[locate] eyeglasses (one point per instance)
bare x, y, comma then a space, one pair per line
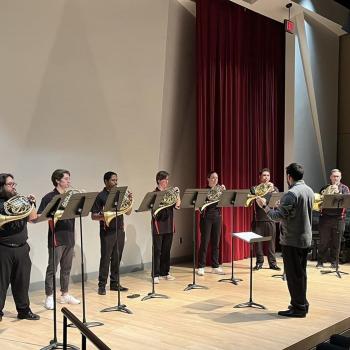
11, 184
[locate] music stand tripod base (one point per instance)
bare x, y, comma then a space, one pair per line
231, 280
154, 295
282, 276
250, 304
57, 345
337, 272
195, 286
87, 324
121, 308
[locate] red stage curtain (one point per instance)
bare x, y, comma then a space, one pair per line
240, 104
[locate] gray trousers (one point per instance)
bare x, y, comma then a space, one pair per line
265, 228
63, 257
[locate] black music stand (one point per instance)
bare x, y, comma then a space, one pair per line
194, 199
79, 205
113, 203
228, 199
272, 203
151, 202
336, 201
48, 214
251, 238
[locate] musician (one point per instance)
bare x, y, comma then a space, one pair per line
210, 227
295, 215
110, 237
264, 226
163, 229
64, 242
332, 224
15, 263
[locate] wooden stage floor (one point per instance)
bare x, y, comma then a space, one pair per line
196, 319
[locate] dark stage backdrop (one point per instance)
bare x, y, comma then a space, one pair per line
240, 104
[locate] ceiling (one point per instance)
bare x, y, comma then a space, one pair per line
329, 13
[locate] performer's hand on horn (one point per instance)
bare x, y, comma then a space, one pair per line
261, 202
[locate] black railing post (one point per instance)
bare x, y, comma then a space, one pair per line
64, 332
84, 331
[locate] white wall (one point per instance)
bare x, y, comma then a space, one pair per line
344, 109
93, 86
317, 54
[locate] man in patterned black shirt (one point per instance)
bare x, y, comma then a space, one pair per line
331, 225
15, 263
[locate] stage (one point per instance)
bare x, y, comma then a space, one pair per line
196, 319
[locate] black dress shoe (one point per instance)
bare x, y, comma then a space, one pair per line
115, 287
292, 313
333, 265
275, 267
101, 291
28, 316
290, 307
258, 266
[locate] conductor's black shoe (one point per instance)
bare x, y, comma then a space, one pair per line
319, 265
292, 313
101, 291
28, 316
333, 265
115, 287
290, 307
275, 267
258, 266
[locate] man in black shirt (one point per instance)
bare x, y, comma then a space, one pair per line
64, 241
15, 263
111, 237
210, 227
332, 224
264, 226
163, 229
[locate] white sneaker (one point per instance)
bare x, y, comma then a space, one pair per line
218, 270
69, 299
49, 302
156, 280
168, 277
200, 271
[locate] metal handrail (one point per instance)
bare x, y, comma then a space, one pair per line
84, 331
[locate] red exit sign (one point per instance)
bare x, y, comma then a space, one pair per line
289, 26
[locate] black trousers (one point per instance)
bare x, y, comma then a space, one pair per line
15, 266
265, 228
331, 231
162, 246
109, 256
210, 231
294, 260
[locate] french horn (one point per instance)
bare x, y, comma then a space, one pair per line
170, 198
260, 191
319, 197
16, 208
69, 193
213, 196
126, 205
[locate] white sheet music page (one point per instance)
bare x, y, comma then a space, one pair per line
247, 236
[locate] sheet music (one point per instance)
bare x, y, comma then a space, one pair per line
250, 237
